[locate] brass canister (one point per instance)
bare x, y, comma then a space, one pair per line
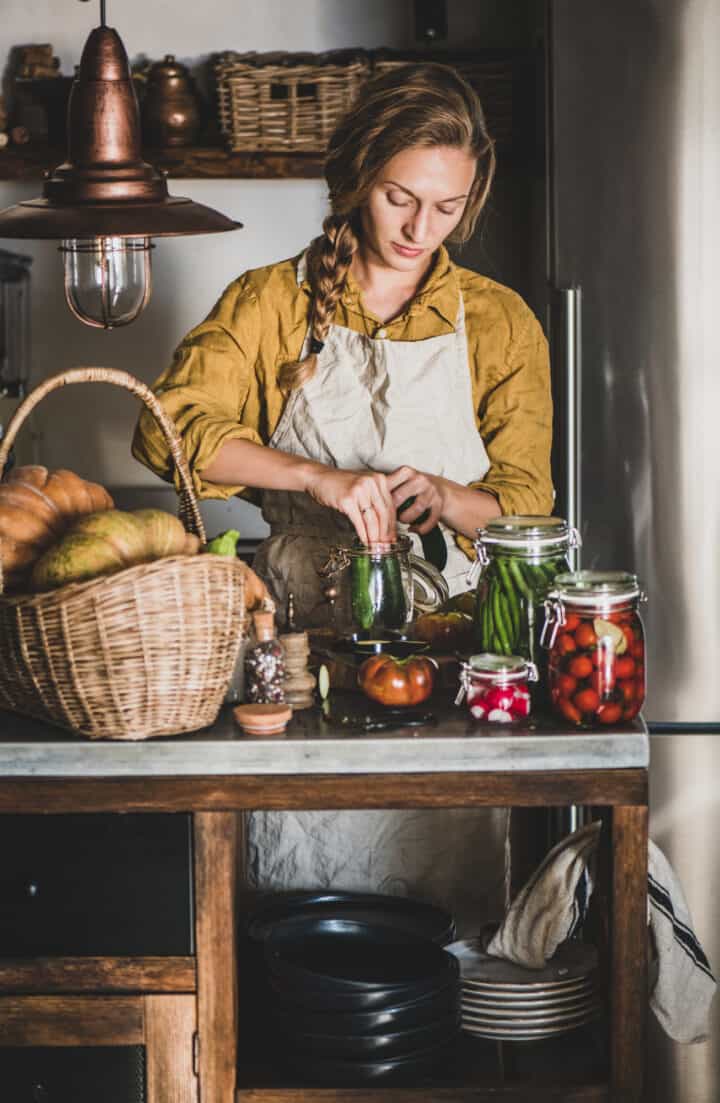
172, 109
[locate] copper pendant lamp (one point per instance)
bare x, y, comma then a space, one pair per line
104, 202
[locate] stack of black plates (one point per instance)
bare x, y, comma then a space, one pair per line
413, 916
351, 1001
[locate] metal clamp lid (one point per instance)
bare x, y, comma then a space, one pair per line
589, 588
528, 533
506, 668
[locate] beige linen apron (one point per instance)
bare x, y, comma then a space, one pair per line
376, 404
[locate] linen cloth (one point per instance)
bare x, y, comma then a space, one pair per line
552, 906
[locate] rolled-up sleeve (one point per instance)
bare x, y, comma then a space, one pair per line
204, 391
515, 423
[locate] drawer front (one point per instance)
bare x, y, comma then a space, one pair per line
96, 885
83, 1074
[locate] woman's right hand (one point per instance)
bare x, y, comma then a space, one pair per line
363, 496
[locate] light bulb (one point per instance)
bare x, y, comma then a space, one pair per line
108, 280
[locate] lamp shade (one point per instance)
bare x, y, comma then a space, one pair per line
105, 189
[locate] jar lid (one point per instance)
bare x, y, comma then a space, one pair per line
530, 532
509, 666
591, 587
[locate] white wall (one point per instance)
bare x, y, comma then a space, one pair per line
89, 429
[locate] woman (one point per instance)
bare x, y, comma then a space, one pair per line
369, 371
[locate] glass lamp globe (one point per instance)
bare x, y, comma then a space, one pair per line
104, 203
108, 280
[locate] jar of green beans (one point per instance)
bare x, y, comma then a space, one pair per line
517, 561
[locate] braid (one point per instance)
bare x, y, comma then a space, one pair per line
329, 260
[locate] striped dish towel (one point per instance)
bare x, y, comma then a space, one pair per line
553, 904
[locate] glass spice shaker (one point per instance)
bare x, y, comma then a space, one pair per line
264, 663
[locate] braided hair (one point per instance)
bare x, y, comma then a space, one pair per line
410, 106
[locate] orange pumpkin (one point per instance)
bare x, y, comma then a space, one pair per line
36, 507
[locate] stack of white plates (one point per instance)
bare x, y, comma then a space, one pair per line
511, 1003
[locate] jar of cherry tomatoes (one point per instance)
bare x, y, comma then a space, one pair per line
596, 643
497, 687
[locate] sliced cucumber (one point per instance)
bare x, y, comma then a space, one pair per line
323, 682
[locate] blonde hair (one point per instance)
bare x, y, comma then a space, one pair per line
411, 105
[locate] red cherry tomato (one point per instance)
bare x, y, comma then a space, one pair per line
586, 700
566, 644
624, 667
637, 649
632, 710
571, 622
627, 689
629, 636
609, 713
567, 708
580, 667
585, 636
566, 685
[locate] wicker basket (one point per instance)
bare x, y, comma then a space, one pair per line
145, 652
292, 106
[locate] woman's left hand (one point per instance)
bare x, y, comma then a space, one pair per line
428, 492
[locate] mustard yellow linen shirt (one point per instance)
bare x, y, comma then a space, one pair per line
222, 383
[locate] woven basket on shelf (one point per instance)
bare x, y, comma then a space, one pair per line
268, 106
145, 652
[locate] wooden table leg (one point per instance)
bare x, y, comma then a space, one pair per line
216, 837
169, 1028
628, 953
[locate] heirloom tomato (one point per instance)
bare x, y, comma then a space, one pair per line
398, 683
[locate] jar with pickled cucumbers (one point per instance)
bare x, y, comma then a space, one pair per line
518, 559
369, 588
596, 644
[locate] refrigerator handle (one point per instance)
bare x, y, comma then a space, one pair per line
572, 334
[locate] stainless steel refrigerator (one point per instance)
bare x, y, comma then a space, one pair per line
634, 252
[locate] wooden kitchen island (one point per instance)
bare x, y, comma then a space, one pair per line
184, 1010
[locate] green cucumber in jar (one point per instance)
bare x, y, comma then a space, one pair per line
363, 609
393, 609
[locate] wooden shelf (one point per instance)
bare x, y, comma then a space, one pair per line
30, 162
569, 1068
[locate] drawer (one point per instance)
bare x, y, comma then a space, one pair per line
96, 885
83, 1074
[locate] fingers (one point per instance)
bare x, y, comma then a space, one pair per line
385, 508
397, 478
425, 524
351, 510
369, 505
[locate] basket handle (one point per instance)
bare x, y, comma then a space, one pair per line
188, 509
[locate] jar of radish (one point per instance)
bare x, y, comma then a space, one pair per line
496, 688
